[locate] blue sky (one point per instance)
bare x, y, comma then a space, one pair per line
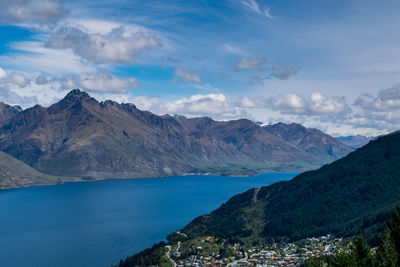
332, 65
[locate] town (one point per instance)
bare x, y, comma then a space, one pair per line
217, 253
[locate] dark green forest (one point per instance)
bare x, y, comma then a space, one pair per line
386, 254
355, 193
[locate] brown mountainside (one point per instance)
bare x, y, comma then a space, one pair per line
80, 136
323, 147
7, 111
16, 174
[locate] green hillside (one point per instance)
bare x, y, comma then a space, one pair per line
355, 193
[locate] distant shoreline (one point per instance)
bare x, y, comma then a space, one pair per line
79, 179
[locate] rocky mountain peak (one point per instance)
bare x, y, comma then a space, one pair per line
77, 95
8, 111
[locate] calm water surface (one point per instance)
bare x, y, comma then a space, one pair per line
98, 223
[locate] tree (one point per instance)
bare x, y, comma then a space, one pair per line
386, 255
394, 228
342, 259
360, 252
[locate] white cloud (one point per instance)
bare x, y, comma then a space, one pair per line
36, 11
185, 75
41, 80
216, 106
283, 71
250, 63
316, 104
99, 82
19, 79
122, 44
295, 104
3, 73
13, 78
253, 5
33, 57
386, 100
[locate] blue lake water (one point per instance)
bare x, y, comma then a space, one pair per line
98, 223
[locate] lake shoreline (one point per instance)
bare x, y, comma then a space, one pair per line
97, 224
80, 179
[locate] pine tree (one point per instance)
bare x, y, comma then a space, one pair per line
394, 228
342, 259
385, 254
360, 253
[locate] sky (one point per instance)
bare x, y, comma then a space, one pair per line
332, 65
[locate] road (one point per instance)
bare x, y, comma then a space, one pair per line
168, 254
234, 263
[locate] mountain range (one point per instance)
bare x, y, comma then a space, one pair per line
355, 141
8, 111
82, 137
353, 194
321, 146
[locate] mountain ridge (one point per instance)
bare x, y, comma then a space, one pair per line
16, 174
313, 141
79, 136
357, 192
355, 141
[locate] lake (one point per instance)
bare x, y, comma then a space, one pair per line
98, 223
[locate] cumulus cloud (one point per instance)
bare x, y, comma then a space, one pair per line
13, 98
185, 75
9, 81
13, 78
380, 111
216, 106
283, 71
295, 104
41, 80
3, 73
253, 5
19, 79
250, 63
386, 100
36, 11
99, 82
122, 44
316, 104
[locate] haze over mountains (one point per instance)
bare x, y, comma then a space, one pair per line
81, 137
355, 141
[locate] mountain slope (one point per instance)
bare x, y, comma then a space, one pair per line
323, 147
355, 193
7, 111
355, 141
15, 174
80, 136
